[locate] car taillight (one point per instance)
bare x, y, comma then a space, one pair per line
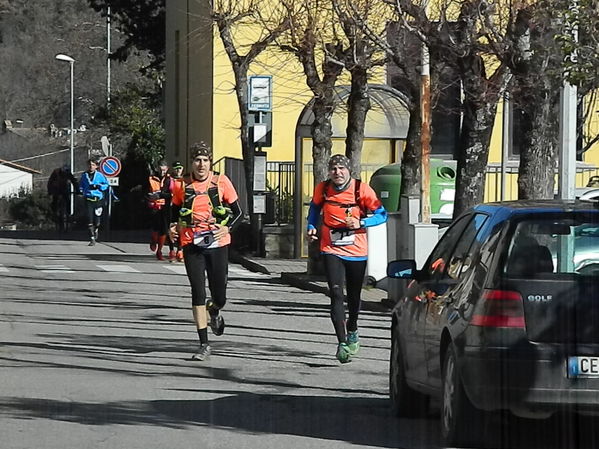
499, 308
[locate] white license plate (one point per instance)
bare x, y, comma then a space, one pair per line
583, 366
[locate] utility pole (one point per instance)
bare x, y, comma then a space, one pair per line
567, 157
567, 138
505, 142
425, 137
108, 53
567, 128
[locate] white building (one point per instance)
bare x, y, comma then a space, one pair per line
15, 178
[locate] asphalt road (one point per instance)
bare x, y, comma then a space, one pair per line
95, 353
95, 346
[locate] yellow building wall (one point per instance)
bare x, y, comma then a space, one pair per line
592, 129
215, 110
290, 96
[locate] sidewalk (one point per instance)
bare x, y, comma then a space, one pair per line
294, 273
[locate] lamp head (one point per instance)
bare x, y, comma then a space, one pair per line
62, 57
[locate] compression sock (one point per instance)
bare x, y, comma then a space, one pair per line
203, 334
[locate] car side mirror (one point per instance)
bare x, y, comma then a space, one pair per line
402, 269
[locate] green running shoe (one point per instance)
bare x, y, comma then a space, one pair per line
353, 342
343, 353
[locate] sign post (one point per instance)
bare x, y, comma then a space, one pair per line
111, 167
260, 135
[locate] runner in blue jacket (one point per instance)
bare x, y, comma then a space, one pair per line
93, 186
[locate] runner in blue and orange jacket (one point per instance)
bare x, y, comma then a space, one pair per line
348, 206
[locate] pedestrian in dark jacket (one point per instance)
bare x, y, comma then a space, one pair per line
59, 186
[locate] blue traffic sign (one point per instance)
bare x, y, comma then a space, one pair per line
110, 166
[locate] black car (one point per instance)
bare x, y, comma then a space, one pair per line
504, 315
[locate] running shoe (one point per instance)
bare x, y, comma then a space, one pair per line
171, 255
92, 242
203, 353
159, 255
353, 342
179, 256
217, 324
343, 353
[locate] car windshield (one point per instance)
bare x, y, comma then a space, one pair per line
563, 245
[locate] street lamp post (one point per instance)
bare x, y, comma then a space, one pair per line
71, 62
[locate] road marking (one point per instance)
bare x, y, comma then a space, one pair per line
118, 268
179, 269
3, 269
54, 269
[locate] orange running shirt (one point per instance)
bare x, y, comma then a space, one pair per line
201, 207
334, 236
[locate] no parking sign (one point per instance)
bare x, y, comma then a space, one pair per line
110, 166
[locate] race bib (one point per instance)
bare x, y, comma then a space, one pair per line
342, 237
204, 239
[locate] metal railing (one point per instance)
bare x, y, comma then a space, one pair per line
281, 176
493, 182
279, 183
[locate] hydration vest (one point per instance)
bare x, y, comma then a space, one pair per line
357, 184
219, 212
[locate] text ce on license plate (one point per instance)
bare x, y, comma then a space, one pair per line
583, 366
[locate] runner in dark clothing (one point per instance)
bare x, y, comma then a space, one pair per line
59, 188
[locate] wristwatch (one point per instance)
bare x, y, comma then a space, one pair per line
362, 224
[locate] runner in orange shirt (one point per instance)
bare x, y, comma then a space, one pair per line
177, 176
344, 204
209, 208
159, 196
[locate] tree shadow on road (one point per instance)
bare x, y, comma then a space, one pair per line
361, 421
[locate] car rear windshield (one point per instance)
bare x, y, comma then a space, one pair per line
568, 244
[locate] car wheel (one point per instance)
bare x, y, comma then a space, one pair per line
405, 401
461, 422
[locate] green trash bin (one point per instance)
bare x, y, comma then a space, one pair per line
386, 182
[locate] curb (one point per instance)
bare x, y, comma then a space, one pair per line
301, 281
297, 281
235, 257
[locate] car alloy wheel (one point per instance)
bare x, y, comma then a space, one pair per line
448, 394
461, 422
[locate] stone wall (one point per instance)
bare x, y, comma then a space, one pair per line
278, 241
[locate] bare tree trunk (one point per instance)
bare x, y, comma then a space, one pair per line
358, 105
322, 132
537, 90
473, 155
536, 175
225, 17
410, 162
481, 95
247, 150
323, 107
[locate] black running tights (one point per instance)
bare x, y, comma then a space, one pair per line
337, 271
214, 263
